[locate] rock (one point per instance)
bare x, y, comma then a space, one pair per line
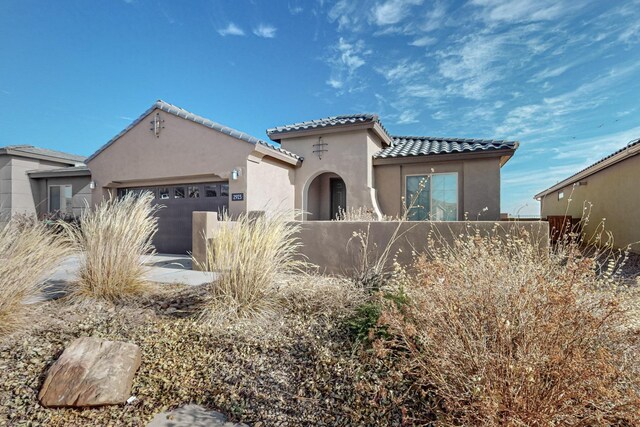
91, 372
170, 310
192, 415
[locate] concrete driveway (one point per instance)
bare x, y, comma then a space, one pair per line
162, 268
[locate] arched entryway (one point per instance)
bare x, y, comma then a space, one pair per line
325, 197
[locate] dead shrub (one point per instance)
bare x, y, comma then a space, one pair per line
29, 250
112, 241
496, 331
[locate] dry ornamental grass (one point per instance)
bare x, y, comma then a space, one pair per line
29, 250
112, 239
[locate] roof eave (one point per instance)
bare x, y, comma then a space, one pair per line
20, 153
632, 151
444, 157
272, 152
57, 174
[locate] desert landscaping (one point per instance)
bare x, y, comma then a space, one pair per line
517, 334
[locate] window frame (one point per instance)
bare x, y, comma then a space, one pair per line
69, 210
430, 177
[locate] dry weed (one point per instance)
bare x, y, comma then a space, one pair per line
500, 332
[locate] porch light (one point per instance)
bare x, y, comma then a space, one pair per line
235, 174
92, 185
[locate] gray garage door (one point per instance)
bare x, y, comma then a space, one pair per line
178, 202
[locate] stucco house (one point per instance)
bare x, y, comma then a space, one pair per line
320, 167
607, 190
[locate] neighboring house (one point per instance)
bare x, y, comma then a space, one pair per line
191, 163
37, 181
608, 191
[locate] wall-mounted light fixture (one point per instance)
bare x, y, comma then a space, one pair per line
235, 173
92, 185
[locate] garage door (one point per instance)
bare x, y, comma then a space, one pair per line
178, 202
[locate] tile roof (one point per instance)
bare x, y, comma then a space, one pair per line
326, 122
407, 146
30, 149
180, 112
589, 170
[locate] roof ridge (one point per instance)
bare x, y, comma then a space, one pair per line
446, 138
188, 115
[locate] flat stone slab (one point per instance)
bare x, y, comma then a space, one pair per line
91, 372
192, 415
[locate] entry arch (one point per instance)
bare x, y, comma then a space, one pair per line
325, 195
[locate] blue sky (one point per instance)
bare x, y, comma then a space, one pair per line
561, 77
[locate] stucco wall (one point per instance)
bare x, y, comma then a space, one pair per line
184, 152
478, 185
613, 193
331, 245
349, 154
270, 184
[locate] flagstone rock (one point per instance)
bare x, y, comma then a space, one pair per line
91, 372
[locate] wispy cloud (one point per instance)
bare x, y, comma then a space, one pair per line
393, 11
514, 11
295, 9
231, 30
424, 41
345, 59
266, 31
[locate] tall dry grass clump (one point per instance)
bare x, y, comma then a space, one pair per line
247, 255
502, 333
112, 240
29, 250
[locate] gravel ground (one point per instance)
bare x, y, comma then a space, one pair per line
300, 369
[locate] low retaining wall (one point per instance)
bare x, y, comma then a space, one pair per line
334, 246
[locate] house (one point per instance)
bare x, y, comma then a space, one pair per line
320, 167
37, 180
607, 190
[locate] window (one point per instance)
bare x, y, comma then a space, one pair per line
178, 193
61, 199
193, 191
210, 191
224, 190
561, 195
432, 197
163, 193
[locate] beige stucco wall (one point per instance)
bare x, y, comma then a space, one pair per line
184, 152
330, 245
478, 185
271, 185
613, 194
349, 154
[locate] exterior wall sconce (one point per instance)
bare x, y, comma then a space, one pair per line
92, 185
236, 173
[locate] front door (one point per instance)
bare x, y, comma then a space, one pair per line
338, 197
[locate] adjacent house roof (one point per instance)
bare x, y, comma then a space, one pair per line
631, 149
180, 112
277, 132
59, 172
408, 146
37, 152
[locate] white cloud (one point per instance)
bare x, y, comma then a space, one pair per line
295, 9
407, 117
231, 30
551, 72
423, 41
525, 10
393, 11
265, 31
347, 57
405, 70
